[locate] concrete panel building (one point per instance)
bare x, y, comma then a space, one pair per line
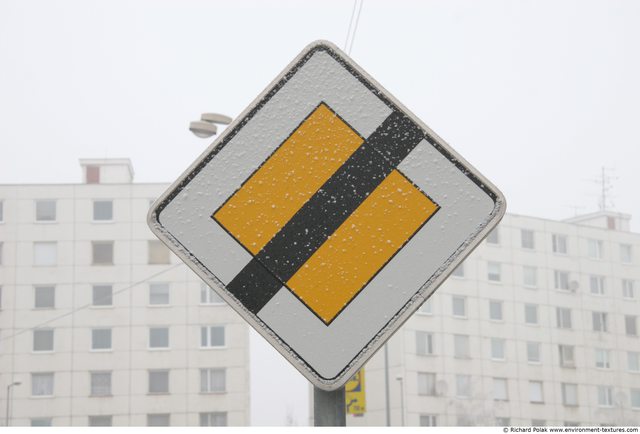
102, 325
539, 326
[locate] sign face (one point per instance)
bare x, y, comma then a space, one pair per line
326, 214
355, 400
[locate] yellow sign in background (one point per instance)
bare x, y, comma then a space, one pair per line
355, 395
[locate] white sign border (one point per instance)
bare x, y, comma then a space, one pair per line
421, 295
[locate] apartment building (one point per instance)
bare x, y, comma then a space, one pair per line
99, 323
539, 326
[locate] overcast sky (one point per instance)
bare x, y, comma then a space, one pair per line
538, 95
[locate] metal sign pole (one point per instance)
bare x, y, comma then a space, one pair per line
329, 407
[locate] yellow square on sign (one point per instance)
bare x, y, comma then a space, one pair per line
352, 255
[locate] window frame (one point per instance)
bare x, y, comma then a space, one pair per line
164, 391
38, 218
94, 388
158, 328
94, 336
95, 253
50, 332
51, 387
93, 211
206, 336
527, 239
53, 245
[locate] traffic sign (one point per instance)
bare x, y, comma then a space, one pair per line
355, 397
326, 214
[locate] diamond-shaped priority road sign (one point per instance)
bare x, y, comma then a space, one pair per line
326, 214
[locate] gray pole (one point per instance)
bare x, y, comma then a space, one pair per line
329, 408
386, 384
8, 403
400, 379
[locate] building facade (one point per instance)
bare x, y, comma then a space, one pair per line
102, 325
538, 326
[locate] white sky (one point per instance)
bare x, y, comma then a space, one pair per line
538, 95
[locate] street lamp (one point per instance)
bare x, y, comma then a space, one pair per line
9, 387
400, 381
206, 126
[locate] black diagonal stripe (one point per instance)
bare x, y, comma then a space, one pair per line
325, 211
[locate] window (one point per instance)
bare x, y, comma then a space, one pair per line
595, 249
533, 352
461, 346
635, 398
45, 210
100, 383
158, 337
41, 421
631, 325
567, 356
212, 336
626, 253
495, 310
426, 384
563, 317
633, 361
158, 253
213, 418
493, 237
45, 253
428, 420
458, 271
535, 392
628, 288
602, 358
102, 295
561, 280
159, 381
424, 343
159, 293
596, 283
497, 349
93, 174
559, 244
102, 252
459, 306
102, 210
101, 339
569, 394
531, 314
426, 308
530, 276
463, 386
493, 272
605, 396
209, 296
528, 239
600, 322
43, 340
213, 380
42, 384
44, 297
158, 419
500, 391
100, 420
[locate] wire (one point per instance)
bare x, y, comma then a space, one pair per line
71, 312
353, 25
